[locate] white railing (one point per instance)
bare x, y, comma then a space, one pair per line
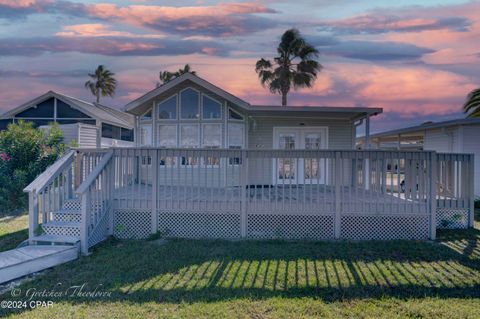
47, 193
95, 194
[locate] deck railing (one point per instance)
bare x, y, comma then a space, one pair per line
133, 192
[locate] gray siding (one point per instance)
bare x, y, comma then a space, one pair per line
88, 136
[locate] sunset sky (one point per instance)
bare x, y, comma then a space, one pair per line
417, 62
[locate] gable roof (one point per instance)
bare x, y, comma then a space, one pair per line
94, 110
348, 112
428, 126
182, 78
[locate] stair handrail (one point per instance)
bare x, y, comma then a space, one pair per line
44, 179
93, 175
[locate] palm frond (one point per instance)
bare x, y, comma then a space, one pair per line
472, 102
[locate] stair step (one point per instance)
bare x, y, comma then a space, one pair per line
62, 228
67, 215
72, 204
60, 239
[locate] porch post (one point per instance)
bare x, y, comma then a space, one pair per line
32, 214
243, 193
85, 221
366, 169
154, 155
471, 189
433, 195
337, 218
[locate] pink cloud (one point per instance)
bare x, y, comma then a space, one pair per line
19, 3
99, 30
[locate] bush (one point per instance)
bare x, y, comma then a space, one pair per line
25, 152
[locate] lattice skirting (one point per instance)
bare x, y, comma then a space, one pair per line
452, 218
291, 226
383, 227
100, 232
199, 225
132, 224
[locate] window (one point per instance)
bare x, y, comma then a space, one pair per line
66, 111
126, 134
146, 134
189, 102
234, 115
147, 116
167, 136
189, 138
168, 108
212, 138
111, 131
236, 136
43, 110
211, 108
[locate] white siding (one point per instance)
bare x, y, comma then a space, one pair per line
441, 140
108, 142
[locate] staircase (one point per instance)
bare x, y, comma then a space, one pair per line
63, 228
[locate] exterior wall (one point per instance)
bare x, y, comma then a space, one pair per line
260, 136
109, 142
471, 145
88, 136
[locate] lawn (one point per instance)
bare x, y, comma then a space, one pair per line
274, 279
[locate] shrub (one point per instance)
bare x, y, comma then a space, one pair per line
25, 152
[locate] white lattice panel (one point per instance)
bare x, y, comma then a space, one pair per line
292, 226
452, 218
72, 204
62, 230
100, 232
67, 216
383, 227
132, 224
199, 225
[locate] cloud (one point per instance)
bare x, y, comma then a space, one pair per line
99, 30
15, 9
110, 46
41, 74
218, 20
378, 23
368, 50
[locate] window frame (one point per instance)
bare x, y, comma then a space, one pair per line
215, 100
177, 111
180, 106
235, 111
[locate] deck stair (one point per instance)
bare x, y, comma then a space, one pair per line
64, 224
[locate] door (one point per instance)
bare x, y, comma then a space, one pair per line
300, 171
286, 168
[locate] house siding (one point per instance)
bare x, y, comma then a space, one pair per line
472, 146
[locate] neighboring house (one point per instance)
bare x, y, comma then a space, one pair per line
454, 136
87, 124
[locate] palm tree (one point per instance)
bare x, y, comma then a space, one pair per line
472, 105
295, 65
102, 83
166, 76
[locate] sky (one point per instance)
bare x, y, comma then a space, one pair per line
416, 59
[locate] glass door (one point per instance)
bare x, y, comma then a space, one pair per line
286, 167
313, 169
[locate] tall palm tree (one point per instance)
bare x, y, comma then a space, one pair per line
472, 105
166, 76
102, 83
295, 65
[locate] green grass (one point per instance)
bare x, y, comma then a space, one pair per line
13, 230
271, 279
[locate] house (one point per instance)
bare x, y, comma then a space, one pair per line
84, 124
453, 136
207, 164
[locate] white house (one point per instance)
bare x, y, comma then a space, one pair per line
453, 136
88, 125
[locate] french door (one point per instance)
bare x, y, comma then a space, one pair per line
300, 171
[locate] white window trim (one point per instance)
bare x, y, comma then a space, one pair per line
213, 99
235, 111
157, 113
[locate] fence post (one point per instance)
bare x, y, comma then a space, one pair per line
78, 169
471, 190
337, 218
32, 214
85, 221
243, 193
154, 190
433, 195
111, 187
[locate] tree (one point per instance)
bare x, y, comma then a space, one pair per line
167, 76
102, 83
25, 152
472, 105
295, 65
